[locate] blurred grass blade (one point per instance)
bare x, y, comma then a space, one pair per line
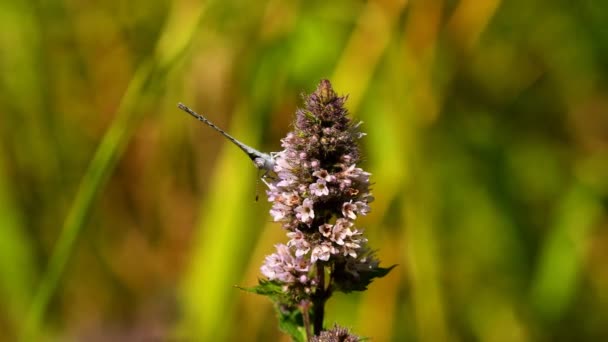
424, 261
562, 258
376, 21
105, 159
93, 182
19, 87
16, 264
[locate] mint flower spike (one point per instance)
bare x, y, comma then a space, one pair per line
317, 194
336, 334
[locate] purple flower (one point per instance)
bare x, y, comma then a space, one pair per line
278, 265
319, 188
348, 210
323, 174
279, 211
298, 240
291, 198
284, 267
302, 265
350, 248
281, 163
340, 231
325, 229
322, 252
305, 212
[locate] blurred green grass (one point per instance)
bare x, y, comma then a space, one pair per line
123, 218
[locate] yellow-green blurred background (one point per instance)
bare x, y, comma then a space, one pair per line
124, 219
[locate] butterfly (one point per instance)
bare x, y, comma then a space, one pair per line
262, 161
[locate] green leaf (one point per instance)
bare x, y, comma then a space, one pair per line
347, 281
291, 322
271, 289
288, 312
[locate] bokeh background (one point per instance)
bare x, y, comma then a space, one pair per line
124, 219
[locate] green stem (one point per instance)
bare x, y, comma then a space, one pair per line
319, 299
305, 307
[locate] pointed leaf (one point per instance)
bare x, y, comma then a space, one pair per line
348, 281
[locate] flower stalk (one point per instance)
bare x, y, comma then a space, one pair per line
317, 193
319, 299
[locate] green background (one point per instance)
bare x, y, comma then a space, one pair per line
122, 218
